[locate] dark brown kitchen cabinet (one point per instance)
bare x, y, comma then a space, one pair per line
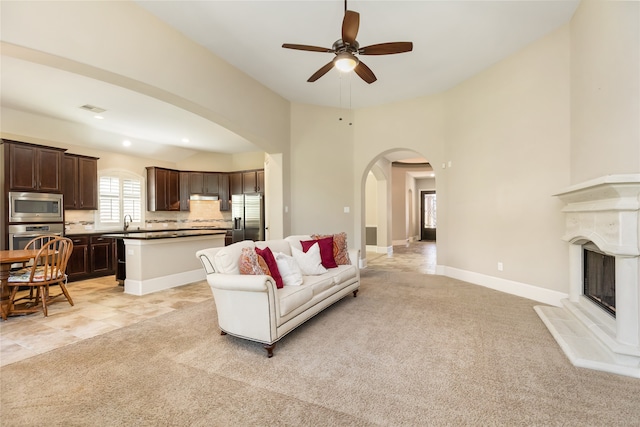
225, 204
92, 256
235, 183
184, 191
80, 182
78, 266
260, 181
163, 189
253, 181
33, 167
102, 255
205, 183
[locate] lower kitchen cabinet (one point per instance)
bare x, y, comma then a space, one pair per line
78, 266
92, 256
102, 256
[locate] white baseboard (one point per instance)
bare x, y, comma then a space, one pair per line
524, 290
143, 287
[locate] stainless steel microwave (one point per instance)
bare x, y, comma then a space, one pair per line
35, 207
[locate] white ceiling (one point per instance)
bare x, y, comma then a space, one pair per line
453, 40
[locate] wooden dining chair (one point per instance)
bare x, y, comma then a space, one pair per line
48, 268
33, 244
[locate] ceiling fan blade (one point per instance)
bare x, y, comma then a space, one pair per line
386, 48
321, 72
350, 25
306, 47
365, 73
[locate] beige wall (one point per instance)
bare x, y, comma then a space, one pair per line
321, 171
507, 136
371, 209
605, 89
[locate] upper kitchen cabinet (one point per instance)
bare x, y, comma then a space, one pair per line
235, 183
253, 181
80, 182
163, 189
33, 167
184, 191
205, 183
225, 202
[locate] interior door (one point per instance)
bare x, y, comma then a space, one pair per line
428, 215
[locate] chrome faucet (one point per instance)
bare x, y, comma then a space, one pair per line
127, 223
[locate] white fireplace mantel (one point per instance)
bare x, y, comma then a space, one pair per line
605, 211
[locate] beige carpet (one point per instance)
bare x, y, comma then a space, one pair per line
410, 350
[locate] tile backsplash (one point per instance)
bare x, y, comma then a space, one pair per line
203, 213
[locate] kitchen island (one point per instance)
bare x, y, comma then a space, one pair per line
158, 260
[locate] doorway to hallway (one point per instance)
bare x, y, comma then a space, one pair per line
428, 216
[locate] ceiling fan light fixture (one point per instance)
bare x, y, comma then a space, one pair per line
345, 62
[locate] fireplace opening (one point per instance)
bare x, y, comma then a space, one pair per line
600, 278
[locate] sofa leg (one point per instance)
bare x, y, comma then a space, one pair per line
355, 293
269, 348
223, 333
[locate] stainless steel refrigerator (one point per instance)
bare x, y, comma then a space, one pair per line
247, 211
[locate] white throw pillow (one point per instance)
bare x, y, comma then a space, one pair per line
310, 262
289, 270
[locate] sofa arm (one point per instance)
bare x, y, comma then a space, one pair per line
244, 282
354, 257
206, 257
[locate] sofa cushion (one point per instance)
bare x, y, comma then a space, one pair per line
310, 262
227, 258
252, 263
343, 273
326, 250
340, 248
272, 264
289, 270
319, 284
292, 297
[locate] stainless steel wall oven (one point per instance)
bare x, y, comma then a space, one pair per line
20, 234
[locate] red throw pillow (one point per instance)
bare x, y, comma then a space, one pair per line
273, 266
326, 250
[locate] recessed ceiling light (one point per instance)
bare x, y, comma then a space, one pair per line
126, 143
185, 140
98, 117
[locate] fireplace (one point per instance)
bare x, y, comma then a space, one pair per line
599, 278
598, 324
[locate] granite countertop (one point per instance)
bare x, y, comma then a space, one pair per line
165, 234
119, 233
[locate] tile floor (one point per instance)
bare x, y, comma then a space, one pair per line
101, 306
417, 257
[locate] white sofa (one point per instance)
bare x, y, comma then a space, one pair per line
253, 308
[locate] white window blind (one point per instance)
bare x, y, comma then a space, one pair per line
120, 194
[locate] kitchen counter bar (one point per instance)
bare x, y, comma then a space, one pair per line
158, 260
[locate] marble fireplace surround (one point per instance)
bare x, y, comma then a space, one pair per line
604, 211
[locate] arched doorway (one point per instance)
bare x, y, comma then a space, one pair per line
392, 187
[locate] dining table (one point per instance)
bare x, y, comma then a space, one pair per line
8, 258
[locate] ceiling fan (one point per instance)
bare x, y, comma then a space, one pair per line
346, 49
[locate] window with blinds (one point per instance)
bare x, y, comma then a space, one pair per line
119, 194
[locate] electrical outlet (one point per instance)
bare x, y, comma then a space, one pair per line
500, 266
